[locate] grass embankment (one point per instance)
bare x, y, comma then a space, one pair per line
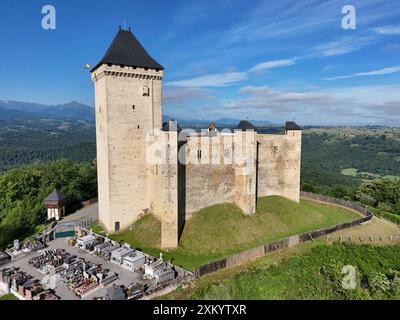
223, 229
314, 275
8, 296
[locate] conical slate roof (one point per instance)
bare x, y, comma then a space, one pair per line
171, 125
126, 50
56, 195
245, 125
291, 125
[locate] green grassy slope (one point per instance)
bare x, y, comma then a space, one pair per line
315, 275
223, 229
8, 296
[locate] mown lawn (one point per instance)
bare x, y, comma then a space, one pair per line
314, 275
223, 229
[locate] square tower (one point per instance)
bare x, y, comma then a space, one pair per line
128, 91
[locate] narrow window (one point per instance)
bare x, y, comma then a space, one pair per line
138, 127
117, 227
199, 154
133, 107
146, 91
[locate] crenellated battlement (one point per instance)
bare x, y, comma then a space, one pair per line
127, 72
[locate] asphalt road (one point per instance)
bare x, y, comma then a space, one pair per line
89, 213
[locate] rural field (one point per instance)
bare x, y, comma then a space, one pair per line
221, 230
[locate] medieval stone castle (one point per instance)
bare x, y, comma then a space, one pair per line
128, 94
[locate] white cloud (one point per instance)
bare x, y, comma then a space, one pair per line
213, 80
391, 108
383, 71
181, 95
273, 64
368, 94
267, 98
391, 30
229, 78
363, 103
341, 46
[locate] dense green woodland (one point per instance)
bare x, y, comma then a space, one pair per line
22, 191
325, 155
25, 141
382, 196
375, 153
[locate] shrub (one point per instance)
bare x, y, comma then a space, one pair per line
395, 286
379, 283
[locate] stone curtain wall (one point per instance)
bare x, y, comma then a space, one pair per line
279, 158
261, 250
209, 180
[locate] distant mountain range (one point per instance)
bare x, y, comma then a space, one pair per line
17, 109
74, 110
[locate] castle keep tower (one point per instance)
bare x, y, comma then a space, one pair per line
128, 108
227, 167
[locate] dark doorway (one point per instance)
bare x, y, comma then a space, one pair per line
117, 227
257, 155
181, 189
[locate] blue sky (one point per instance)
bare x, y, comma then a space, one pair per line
270, 60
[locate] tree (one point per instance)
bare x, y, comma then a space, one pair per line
22, 191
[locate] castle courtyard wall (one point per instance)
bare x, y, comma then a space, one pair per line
279, 159
208, 180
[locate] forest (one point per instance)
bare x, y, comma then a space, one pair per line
34, 139
327, 153
23, 189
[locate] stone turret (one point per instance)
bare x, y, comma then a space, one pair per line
55, 205
245, 145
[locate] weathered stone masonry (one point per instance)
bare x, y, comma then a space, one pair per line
128, 99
